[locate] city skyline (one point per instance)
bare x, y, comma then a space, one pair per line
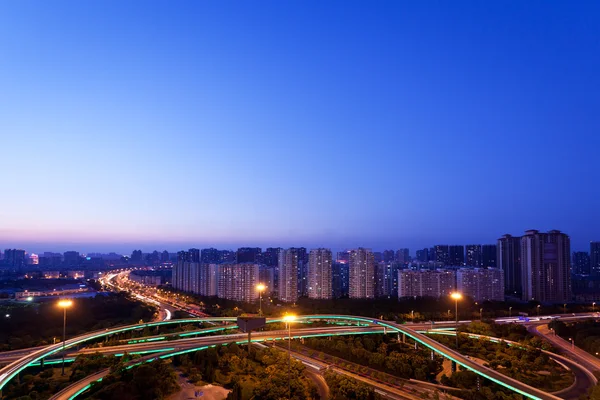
127, 249
338, 124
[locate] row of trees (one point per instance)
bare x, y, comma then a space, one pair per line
526, 363
155, 380
382, 353
262, 374
342, 387
585, 333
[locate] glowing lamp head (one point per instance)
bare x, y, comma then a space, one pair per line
65, 303
456, 296
289, 318
260, 287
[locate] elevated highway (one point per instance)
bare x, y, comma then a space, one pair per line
14, 368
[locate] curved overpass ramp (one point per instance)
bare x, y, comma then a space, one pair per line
11, 370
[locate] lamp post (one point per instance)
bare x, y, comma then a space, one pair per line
412, 316
456, 296
594, 307
289, 319
538, 310
572, 343
260, 287
481, 314
509, 312
64, 304
565, 308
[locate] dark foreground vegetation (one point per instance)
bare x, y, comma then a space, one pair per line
262, 374
35, 324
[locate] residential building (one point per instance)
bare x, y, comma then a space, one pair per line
423, 255
488, 256
386, 278
362, 274
442, 255
271, 256
509, 261
288, 275
210, 256
481, 284
425, 283
388, 255
208, 277
581, 263
402, 256
340, 279
249, 254
71, 258
595, 258
456, 255
319, 274
237, 281
14, 259
185, 276
474, 255
546, 266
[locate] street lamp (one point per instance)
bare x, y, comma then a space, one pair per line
288, 319
456, 296
64, 304
509, 312
565, 308
412, 316
260, 287
593, 306
481, 314
538, 309
572, 344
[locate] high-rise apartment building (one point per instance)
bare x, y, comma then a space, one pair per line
71, 258
402, 256
319, 274
343, 256
488, 256
164, 256
194, 255
136, 256
302, 272
362, 274
423, 255
340, 280
14, 259
581, 263
474, 255
238, 281
208, 279
271, 256
249, 255
509, 261
288, 275
386, 279
456, 255
441, 253
267, 278
425, 283
185, 276
227, 256
210, 256
482, 284
546, 266
595, 258
388, 255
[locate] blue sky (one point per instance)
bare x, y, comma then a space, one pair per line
341, 123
